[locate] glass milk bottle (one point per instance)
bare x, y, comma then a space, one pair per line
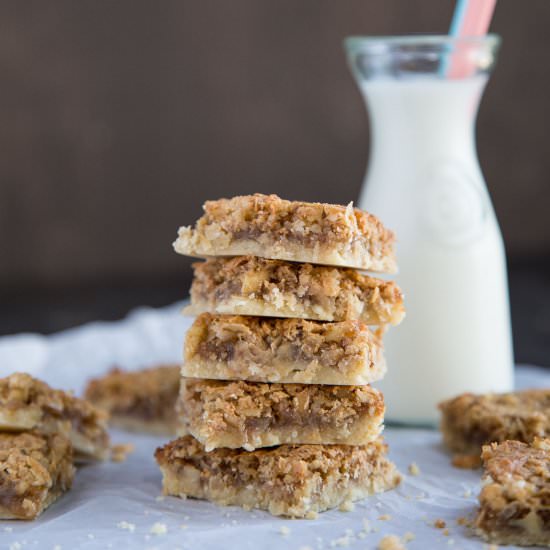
424, 182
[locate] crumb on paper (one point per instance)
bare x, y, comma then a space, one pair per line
120, 452
408, 536
284, 530
341, 541
367, 526
463, 521
126, 526
158, 529
160, 498
466, 462
439, 524
347, 506
184, 526
312, 515
390, 542
384, 517
446, 532
467, 493
414, 470
490, 547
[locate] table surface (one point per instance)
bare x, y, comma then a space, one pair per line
118, 505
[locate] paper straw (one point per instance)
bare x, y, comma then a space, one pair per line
471, 18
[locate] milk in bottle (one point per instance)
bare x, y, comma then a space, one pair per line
424, 182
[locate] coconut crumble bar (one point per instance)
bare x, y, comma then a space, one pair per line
270, 227
34, 471
29, 404
261, 349
248, 285
141, 401
290, 480
251, 415
470, 421
515, 498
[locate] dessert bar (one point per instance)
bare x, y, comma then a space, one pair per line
248, 285
29, 404
34, 471
262, 349
515, 498
252, 414
470, 421
141, 401
290, 480
270, 227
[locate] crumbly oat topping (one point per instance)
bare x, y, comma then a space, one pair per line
277, 225
314, 292
214, 410
515, 498
414, 470
146, 394
34, 470
470, 421
27, 403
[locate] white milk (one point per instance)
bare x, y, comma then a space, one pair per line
425, 183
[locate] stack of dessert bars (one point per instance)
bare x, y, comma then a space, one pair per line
276, 408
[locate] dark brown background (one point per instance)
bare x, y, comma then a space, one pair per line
119, 118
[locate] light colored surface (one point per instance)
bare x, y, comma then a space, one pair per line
104, 496
451, 259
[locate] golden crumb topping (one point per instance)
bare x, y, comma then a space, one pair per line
295, 220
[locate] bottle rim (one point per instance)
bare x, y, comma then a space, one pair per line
383, 44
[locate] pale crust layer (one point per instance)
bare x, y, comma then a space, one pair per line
290, 480
34, 471
270, 227
260, 349
470, 421
252, 415
248, 285
515, 499
141, 401
29, 404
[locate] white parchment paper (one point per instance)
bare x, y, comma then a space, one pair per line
118, 505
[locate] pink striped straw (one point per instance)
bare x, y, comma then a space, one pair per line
471, 18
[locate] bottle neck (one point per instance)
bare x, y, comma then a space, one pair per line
421, 120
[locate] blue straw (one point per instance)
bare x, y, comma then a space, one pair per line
456, 25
